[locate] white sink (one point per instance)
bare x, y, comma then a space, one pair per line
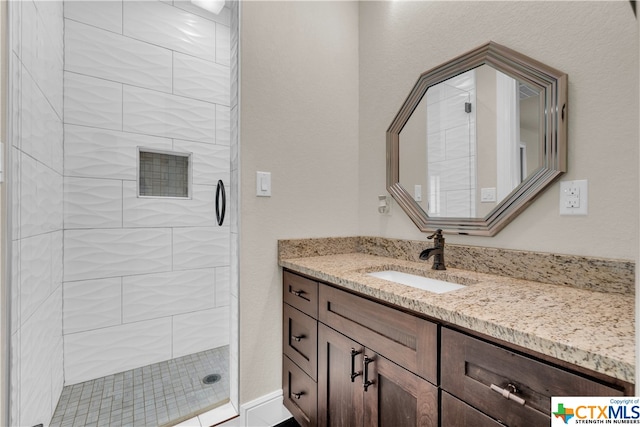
419, 282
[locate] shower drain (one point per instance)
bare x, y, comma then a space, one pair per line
210, 379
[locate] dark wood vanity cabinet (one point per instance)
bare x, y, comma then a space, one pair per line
509, 387
350, 361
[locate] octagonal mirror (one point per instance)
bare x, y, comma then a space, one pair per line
476, 140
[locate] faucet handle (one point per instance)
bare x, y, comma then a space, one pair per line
437, 234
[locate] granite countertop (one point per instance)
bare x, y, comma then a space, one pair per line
591, 329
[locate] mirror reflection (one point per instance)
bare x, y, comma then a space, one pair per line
470, 142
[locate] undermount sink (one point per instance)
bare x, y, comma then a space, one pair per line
415, 281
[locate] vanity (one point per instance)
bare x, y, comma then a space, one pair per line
360, 350
376, 335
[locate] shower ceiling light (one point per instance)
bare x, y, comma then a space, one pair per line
214, 6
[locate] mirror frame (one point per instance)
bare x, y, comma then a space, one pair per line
554, 87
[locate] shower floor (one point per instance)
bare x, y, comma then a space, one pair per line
153, 395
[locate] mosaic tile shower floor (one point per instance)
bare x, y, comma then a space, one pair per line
155, 395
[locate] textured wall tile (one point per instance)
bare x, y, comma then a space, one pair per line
56, 258
40, 125
223, 44
16, 186
15, 379
168, 212
15, 286
210, 162
101, 352
200, 247
224, 17
35, 273
159, 295
101, 53
99, 253
197, 78
50, 198
92, 102
223, 286
223, 125
92, 304
42, 48
102, 153
92, 203
41, 198
181, 31
200, 331
160, 114
102, 14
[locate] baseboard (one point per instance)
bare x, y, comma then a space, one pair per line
264, 411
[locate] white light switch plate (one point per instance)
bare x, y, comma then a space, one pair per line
263, 184
574, 197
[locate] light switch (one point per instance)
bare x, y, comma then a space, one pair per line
488, 195
263, 184
417, 193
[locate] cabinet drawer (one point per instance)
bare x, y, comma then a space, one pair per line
301, 293
300, 394
409, 341
457, 414
300, 340
470, 367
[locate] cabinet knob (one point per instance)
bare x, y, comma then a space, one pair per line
297, 395
297, 292
297, 337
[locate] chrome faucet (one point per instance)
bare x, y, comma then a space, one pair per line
437, 251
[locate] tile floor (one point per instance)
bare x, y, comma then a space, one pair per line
161, 394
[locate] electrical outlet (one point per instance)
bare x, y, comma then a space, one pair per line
573, 197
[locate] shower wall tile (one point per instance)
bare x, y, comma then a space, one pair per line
42, 44
223, 45
102, 14
57, 253
16, 185
41, 331
210, 162
223, 17
15, 379
106, 351
15, 286
181, 31
151, 296
197, 78
223, 125
200, 331
92, 102
100, 253
35, 273
92, 203
100, 53
179, 117
92, 304
223, 286
41, 196
102, 153
200, 247
163, 212
41, 127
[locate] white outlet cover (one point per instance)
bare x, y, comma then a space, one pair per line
570, 191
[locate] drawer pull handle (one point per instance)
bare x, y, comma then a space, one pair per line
508, 394
354, 374
297, 293
297, 337
297, 395
367, 382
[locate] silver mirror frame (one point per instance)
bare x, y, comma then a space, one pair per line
554, 88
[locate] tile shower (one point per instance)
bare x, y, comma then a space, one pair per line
106, 278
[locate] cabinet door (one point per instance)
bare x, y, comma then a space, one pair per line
340, 397
396, 397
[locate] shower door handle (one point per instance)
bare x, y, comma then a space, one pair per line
221, 202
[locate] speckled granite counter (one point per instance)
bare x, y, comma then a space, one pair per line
591, 329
